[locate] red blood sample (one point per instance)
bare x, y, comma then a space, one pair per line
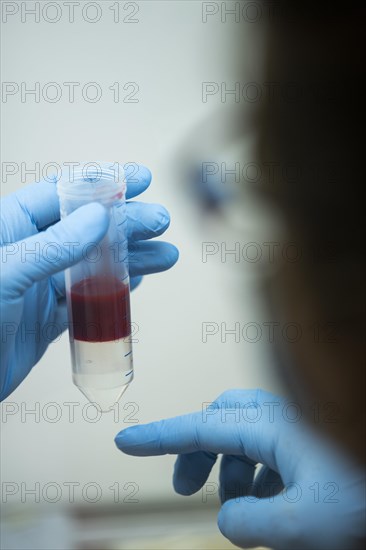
100, 309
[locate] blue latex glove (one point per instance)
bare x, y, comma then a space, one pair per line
322, 504
32, 291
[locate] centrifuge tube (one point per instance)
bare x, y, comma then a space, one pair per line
97, 288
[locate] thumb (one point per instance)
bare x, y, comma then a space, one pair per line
30, 260
277, 522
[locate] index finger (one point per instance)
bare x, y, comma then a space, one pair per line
40, 200
138, 178
182, 434
221, 429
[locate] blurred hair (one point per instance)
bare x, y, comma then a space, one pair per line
311, 126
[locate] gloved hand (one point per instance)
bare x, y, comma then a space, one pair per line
321, 503
32, 291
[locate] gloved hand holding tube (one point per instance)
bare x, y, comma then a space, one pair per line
36, 248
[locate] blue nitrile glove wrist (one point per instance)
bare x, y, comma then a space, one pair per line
35, 249
305, 497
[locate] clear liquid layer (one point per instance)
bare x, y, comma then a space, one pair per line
102, 370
